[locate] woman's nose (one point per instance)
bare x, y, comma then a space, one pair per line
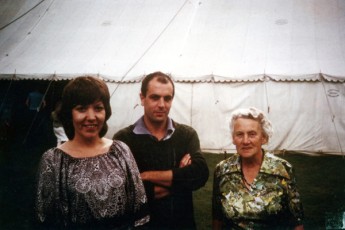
91, 114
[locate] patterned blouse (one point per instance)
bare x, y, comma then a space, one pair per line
271, 202
101, 192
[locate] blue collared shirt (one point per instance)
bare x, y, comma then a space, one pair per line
140, 129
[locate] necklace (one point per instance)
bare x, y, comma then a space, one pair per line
250, 186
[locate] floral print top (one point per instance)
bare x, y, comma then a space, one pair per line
271, 202
100, 192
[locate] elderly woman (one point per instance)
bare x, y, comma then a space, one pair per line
254, 189
89, 182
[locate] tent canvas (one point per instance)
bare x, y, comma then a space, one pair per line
286, 57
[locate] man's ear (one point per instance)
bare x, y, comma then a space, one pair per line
142, 99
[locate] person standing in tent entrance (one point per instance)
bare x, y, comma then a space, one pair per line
168, 156
58, 129
35, 101
89, 182
254, 189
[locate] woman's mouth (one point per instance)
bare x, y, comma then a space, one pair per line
90, 126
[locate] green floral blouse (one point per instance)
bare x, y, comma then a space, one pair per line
272, 201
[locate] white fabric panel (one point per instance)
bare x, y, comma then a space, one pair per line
306, 116
13, 34
330, 35
302, 119
333, 123
125, 105
181, 110
78, 37
296, 115
129, 38
212, 106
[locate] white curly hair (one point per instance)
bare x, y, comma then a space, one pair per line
255, 114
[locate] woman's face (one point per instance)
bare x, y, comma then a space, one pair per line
88, 120
248, 137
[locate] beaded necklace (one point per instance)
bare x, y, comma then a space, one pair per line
250, 186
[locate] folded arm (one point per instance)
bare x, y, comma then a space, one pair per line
162, 180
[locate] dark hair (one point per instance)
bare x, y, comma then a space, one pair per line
83, 91
161, 77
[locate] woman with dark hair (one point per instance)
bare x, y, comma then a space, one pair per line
89, 182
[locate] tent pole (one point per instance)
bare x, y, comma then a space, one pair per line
191, 105
266, 94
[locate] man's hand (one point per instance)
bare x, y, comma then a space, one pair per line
185, 161
161, 192
163, 179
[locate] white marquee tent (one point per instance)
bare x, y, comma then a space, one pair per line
286, 57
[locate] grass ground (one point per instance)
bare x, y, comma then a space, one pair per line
321, 183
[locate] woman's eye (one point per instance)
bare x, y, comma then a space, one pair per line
99, 108
80, 108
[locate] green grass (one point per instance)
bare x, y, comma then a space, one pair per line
321, 182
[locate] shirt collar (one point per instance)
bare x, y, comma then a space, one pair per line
270, 165
140, 128
275, 166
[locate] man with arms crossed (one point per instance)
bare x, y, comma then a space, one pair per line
168, 156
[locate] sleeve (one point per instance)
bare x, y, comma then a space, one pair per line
45, 202
217, 213
195, 175
140, 204
294, 200
122, 135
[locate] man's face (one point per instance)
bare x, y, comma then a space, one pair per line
248, 137
157, 102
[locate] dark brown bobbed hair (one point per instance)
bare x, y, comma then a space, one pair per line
83, 91
161, 77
